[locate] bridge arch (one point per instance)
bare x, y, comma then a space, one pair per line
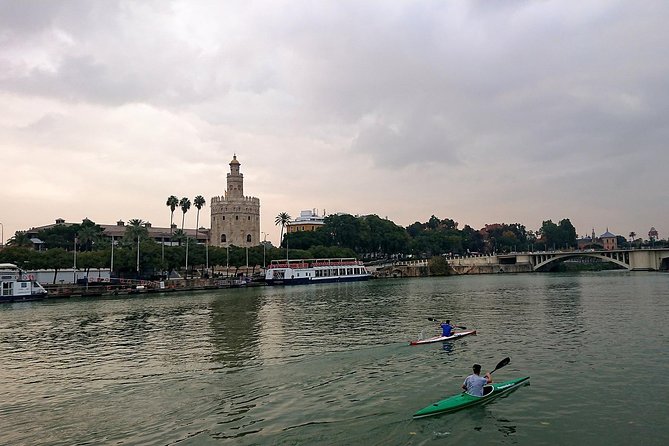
558, 258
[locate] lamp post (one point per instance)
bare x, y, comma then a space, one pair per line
186, 257
74, 269
2, 243
162, 256
264, 245
227, 260
111, 267
138, 256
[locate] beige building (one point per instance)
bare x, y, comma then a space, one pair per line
307, 221
235, 218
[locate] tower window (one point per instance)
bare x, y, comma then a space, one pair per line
236, 217
223, 238
249, 218
248, 238
224, 217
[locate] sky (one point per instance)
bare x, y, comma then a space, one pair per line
481, 112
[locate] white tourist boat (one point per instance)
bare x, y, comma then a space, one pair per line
303, 271
17, 287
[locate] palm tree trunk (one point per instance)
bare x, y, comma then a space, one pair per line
197, 224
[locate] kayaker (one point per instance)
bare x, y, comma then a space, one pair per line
474, 383
446, 328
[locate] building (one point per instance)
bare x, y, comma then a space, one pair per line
117, 231
235, 218
307, 221
609, 241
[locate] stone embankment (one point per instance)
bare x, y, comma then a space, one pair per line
421, 268
146, 287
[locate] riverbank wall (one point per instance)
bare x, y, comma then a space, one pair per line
421, 268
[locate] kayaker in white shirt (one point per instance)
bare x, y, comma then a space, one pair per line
474, 383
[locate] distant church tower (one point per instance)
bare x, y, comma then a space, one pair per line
235, 219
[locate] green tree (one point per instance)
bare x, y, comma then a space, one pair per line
343, 230
199, 202
180, 236
89, 234
282, 219
59, 236
20, 239
58, 258
184, 204
172, 203
438, 266
567, 233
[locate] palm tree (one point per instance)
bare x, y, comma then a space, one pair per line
89, 234
199, 202
282, 219
172, 203
136, 230
20, 239
632, 235
184, 204
179, 236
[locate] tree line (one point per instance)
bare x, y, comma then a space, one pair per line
371, 236
136, 254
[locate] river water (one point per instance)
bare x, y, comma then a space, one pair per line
330, 364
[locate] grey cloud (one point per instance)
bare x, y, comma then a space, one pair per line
443, 82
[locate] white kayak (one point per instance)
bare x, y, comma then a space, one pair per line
455, 335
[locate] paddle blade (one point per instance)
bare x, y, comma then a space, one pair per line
502, 363
432, 319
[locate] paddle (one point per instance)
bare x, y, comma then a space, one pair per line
434, 319
501, 364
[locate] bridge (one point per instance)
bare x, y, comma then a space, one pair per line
630, 259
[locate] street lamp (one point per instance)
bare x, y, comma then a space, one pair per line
111, 267
186, 256
264, 244
74, 270
137, 256
2, 243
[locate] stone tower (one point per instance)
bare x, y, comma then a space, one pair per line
235, 219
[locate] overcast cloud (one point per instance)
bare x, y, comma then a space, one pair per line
482, 112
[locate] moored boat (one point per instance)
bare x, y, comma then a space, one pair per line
305, 271
463, 400
455, 335
18, 287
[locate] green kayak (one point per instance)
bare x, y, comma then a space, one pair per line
457, 402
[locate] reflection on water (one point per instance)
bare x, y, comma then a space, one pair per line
236, 330
330, 364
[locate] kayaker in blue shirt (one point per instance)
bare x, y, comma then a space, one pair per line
446, 328
474, 383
